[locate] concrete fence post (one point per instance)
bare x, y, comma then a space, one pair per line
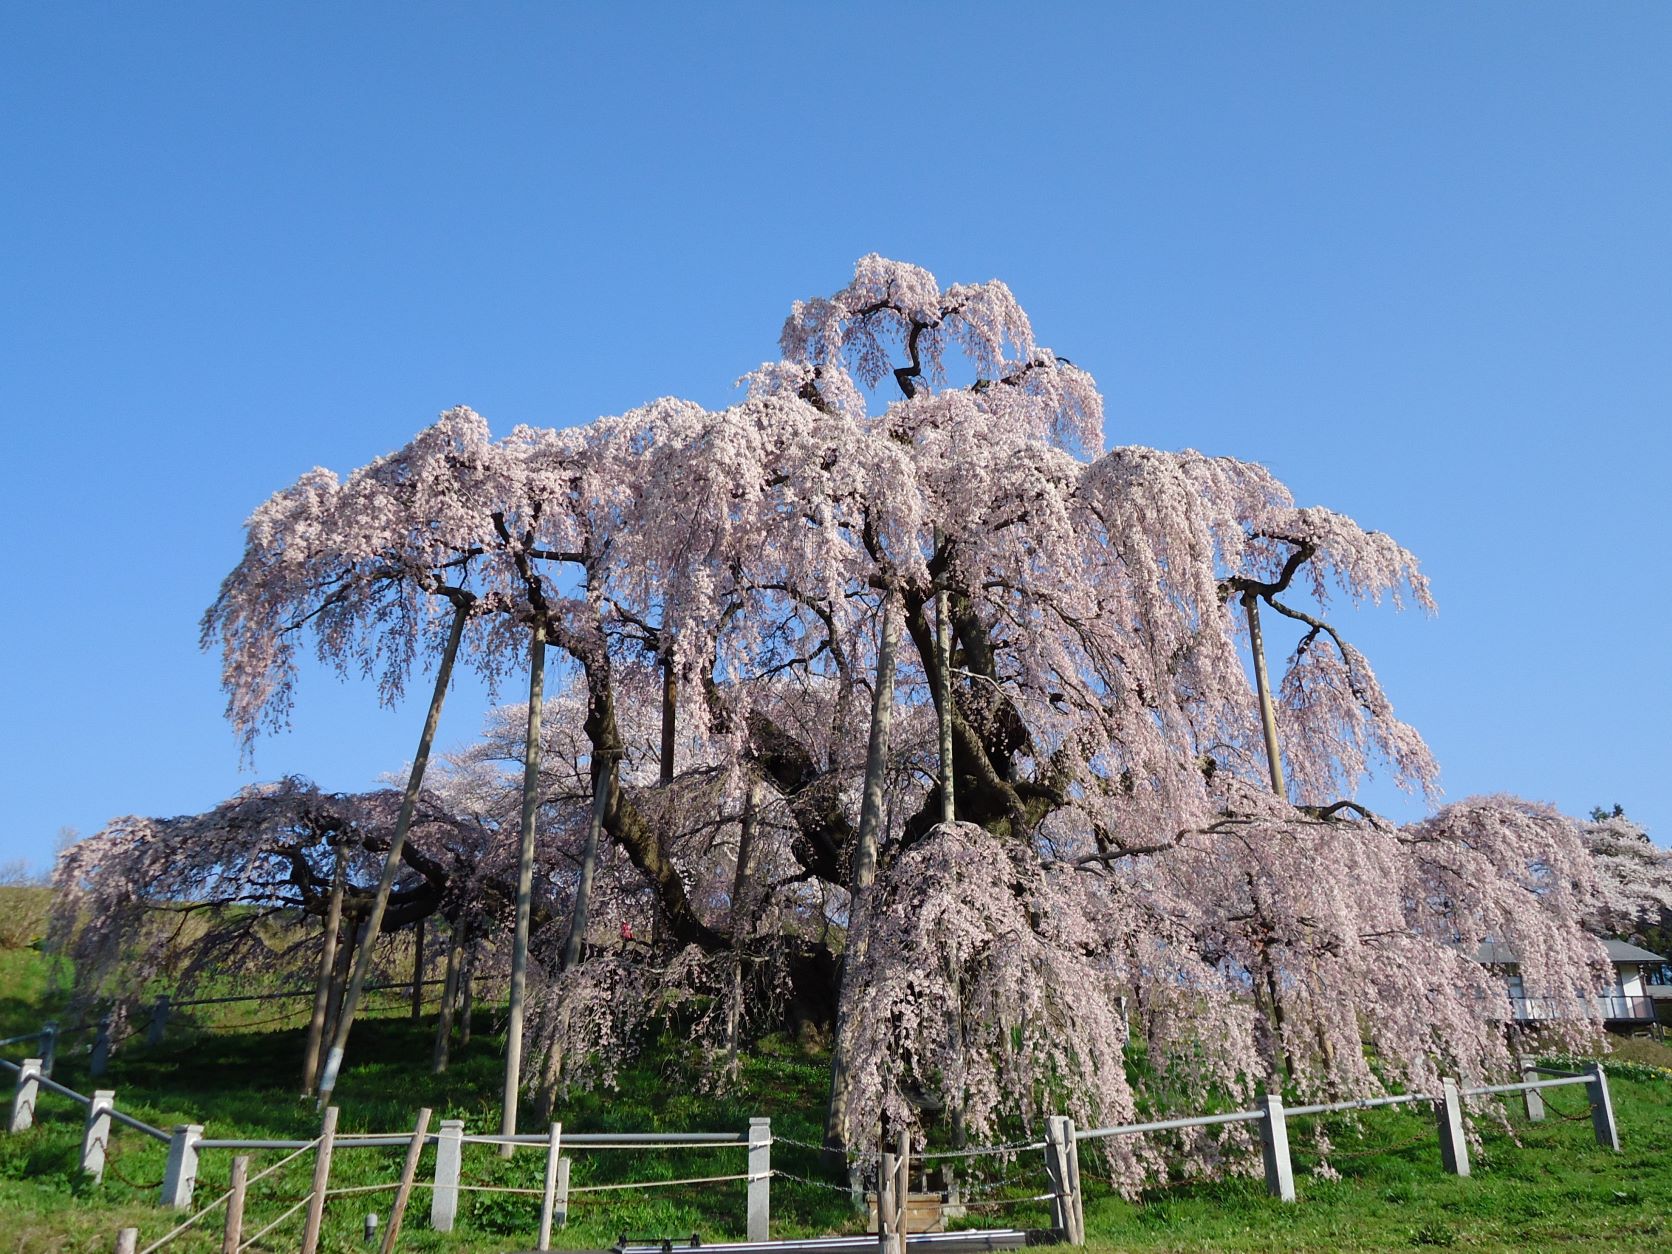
127, 1240
99, 1059
759, 1213
1274, 1148
159, 1021
1532, 1097
1454, 1146
28, 1092
449, 1156
95, 1135
560, 1203
49, 1046
180, 1172
1602, 1109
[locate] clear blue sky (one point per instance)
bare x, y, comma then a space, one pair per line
1415, 258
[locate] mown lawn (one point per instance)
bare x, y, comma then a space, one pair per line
1533, 1185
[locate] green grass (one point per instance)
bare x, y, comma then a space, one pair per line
1533, 1185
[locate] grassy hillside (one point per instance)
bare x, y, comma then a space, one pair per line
1540, 1184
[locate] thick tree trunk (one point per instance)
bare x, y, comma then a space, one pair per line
1262, 687
525, 889
449, 993
864, 874
391, 864
327, 966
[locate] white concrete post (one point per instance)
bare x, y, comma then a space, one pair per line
1448, 1113
1274, 1149
159, 1021
28, 1092
96, 1134
1602, 1109
560, 1202
49, 1047
100, 1058
449, 1153
1533, 1098
127, 1240
759, 1215
180, 1172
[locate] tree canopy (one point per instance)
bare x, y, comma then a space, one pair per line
1120, 879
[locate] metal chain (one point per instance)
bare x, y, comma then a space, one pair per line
817, 1184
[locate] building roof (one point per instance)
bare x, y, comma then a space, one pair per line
1620, 951
1498, 954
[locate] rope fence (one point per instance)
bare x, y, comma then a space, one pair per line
975, 1192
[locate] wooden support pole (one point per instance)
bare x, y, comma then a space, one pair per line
548, 1195
1262, 689
467, 994
943, 692
323, 990
885, 1203
232, 1235
409, 1173
321, 1181
449, 995
525, 891
418, 970
603, 781
391, 861
1062, 1167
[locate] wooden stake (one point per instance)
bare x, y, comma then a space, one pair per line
409, 1172
232, 1236
321, 1181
